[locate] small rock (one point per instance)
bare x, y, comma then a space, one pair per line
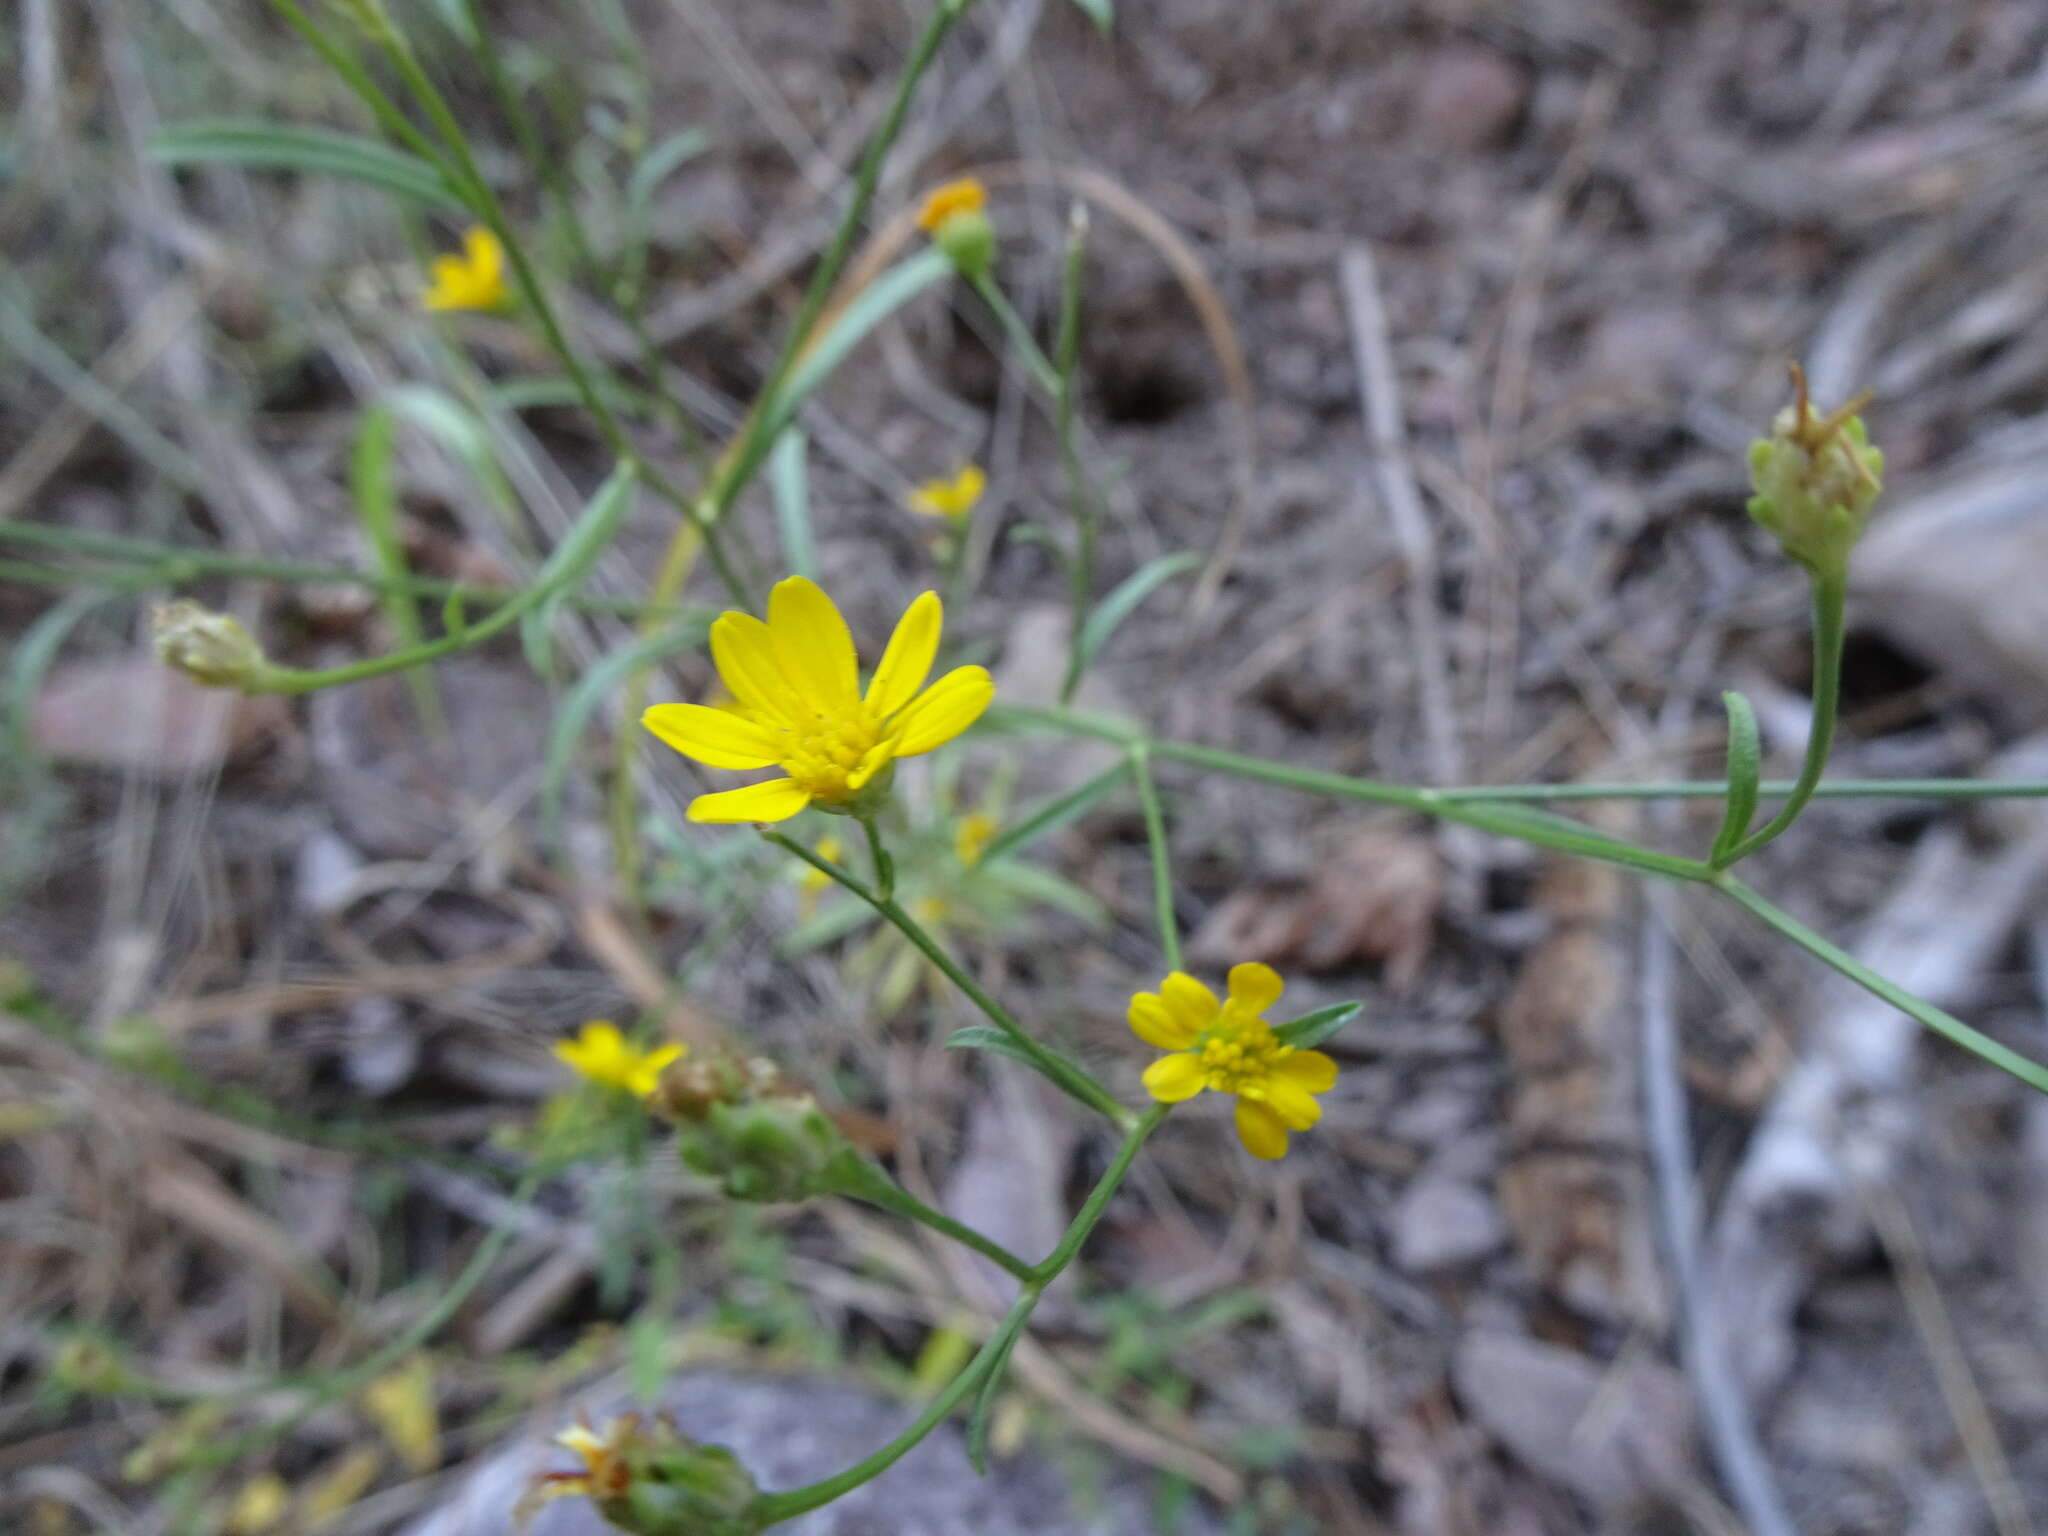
1471, 97
1443, 1223
1613, 1434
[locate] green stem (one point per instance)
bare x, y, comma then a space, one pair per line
1945, 1024
1018, 334
1162, 868
1087, 513
343, 63
1830, 599
772, 1509
859, 1179
884, 866
1068, 1073
1056, 812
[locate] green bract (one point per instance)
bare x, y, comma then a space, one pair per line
1816, 478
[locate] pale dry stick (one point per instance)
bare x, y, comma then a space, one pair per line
1966, 1406
1511, 386
1723, 1411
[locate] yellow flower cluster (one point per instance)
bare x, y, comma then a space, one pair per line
797, 705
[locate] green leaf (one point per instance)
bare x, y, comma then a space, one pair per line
789, 479
977, 1423
1312, 1029
584, 698
662, 162
1123, 601
1056, 812
1101, 12
1055, 1068
1033, 883
374, 485
1745, 764
273, 146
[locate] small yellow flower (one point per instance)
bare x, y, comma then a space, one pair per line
953, 499
605, 1056
972, 837
475, 280
259, 1506
967, 195
795, 680
1230, 1047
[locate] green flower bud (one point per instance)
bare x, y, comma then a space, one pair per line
1816, 478
767, 1149
208, 647
969, 241
653, 1480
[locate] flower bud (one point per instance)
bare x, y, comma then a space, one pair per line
744, 1125
653, 1480
1816, 478
208, 647
954, 217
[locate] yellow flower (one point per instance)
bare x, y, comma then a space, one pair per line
816, 882
472, 281
1230, 1047
972, 837
605, 1056
799, 706
966, 195
952, 499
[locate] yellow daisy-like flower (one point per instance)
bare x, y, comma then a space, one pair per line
972, 837
952, 499
474, 280
1230, 1047
967, 195
605, 1056
798, 705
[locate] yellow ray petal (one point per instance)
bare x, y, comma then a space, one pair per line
716, 737
1190, 1001
744, 654
775, 800
943, 710
812, 643
1261, 1131
907, 661
1294, 1104
1173, 1078
1312, 1070
1255, 987
1156, 1024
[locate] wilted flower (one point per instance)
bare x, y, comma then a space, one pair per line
951, 497
650, 1479
1816, 478
798, 705
473, 280
208, 647
954, 216
604, 1055
1230, 1047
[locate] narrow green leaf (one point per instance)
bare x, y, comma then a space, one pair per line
1312, 1029
454, 616
275, 146
1123, 601
1053, 1067
1101, 12
789, 479
594, 530
1745, 765
374, 484
984, 1400
662, 162
1056, 812
589, 692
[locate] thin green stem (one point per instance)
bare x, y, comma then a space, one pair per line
878, 856
343, 63
1018, 334
772, 1509
1162, 867
1087, 514
1830, 599
1056, 812
1069, 1074
860, 1179
1945, 1024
